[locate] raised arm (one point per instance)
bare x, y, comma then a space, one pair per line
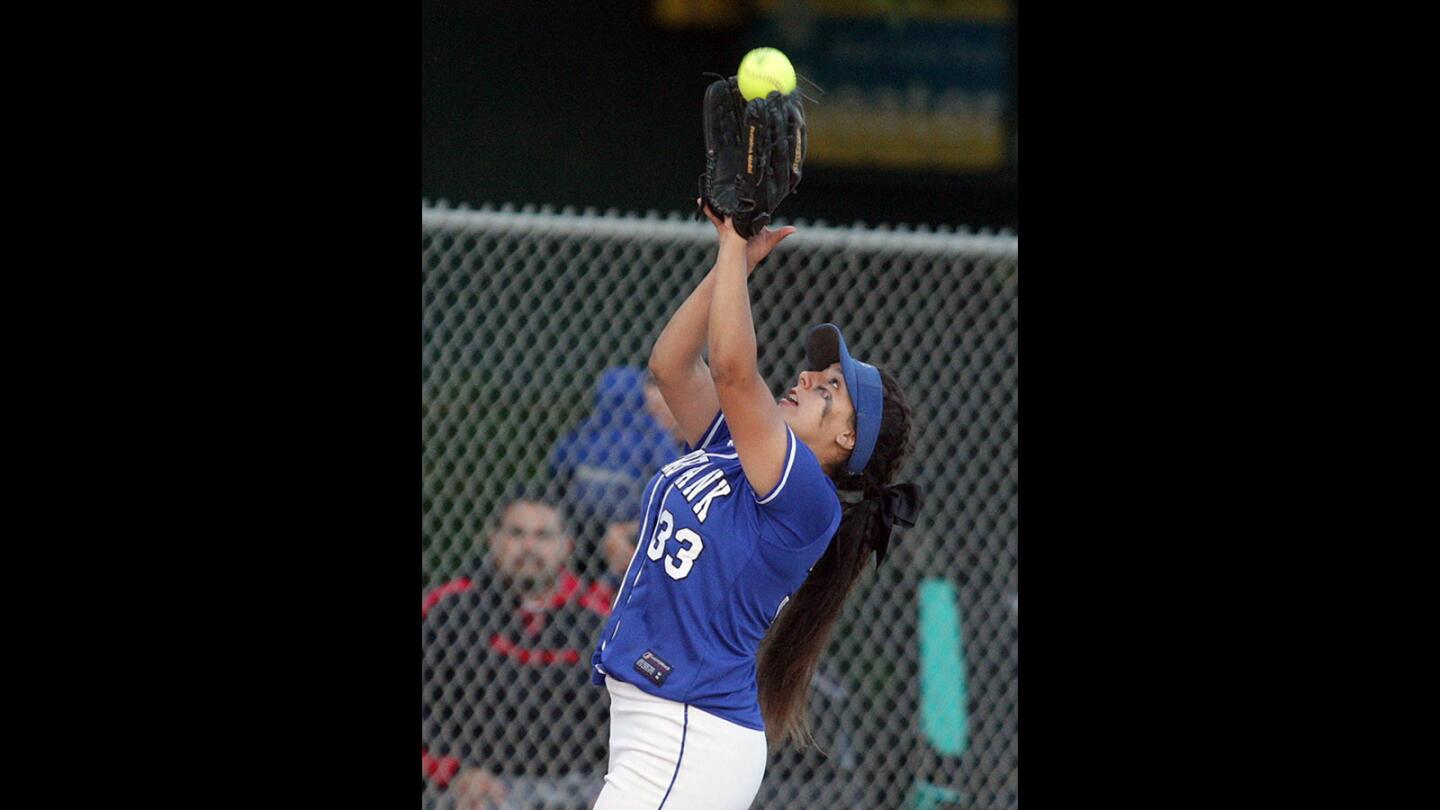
750, 411
679, 369
677, 360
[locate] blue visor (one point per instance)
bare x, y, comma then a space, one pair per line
824, 345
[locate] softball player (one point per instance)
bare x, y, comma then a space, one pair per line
749, 521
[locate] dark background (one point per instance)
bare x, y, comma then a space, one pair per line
596, 104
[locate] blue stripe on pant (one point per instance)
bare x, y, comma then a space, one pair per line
652, 739
684, 731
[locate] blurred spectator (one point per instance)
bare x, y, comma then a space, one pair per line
508, 720
606, 460
617, 546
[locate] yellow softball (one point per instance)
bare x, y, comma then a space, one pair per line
763, 70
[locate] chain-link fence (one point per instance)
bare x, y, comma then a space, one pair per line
536, 328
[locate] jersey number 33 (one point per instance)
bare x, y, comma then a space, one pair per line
677, 566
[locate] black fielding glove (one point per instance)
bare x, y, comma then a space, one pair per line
753, 154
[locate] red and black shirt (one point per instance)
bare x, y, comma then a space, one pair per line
505, 684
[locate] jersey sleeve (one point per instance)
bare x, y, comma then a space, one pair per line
717, 435
803, 506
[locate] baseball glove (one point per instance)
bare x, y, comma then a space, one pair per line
753, 154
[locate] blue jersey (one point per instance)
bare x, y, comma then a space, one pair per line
714, 563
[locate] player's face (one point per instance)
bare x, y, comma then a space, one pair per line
530, 542
818, 409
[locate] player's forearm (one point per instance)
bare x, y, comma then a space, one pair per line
682, 341
731, 329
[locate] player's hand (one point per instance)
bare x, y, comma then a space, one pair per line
477, 789
757, 247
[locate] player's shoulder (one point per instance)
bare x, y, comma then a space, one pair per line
804, 505
801, 470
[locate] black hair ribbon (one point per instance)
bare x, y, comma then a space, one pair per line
898, 504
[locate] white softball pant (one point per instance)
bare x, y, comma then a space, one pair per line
671, 756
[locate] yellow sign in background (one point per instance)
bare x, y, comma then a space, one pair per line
908, 85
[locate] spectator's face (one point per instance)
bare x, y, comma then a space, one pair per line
655, 404
619, 545
530, 543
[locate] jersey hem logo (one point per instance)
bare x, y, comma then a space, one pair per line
653, 668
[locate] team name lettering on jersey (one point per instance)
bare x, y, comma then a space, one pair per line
689, 459
701, 484
684, 479
702, 508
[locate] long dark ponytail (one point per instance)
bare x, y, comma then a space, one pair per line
792, 648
